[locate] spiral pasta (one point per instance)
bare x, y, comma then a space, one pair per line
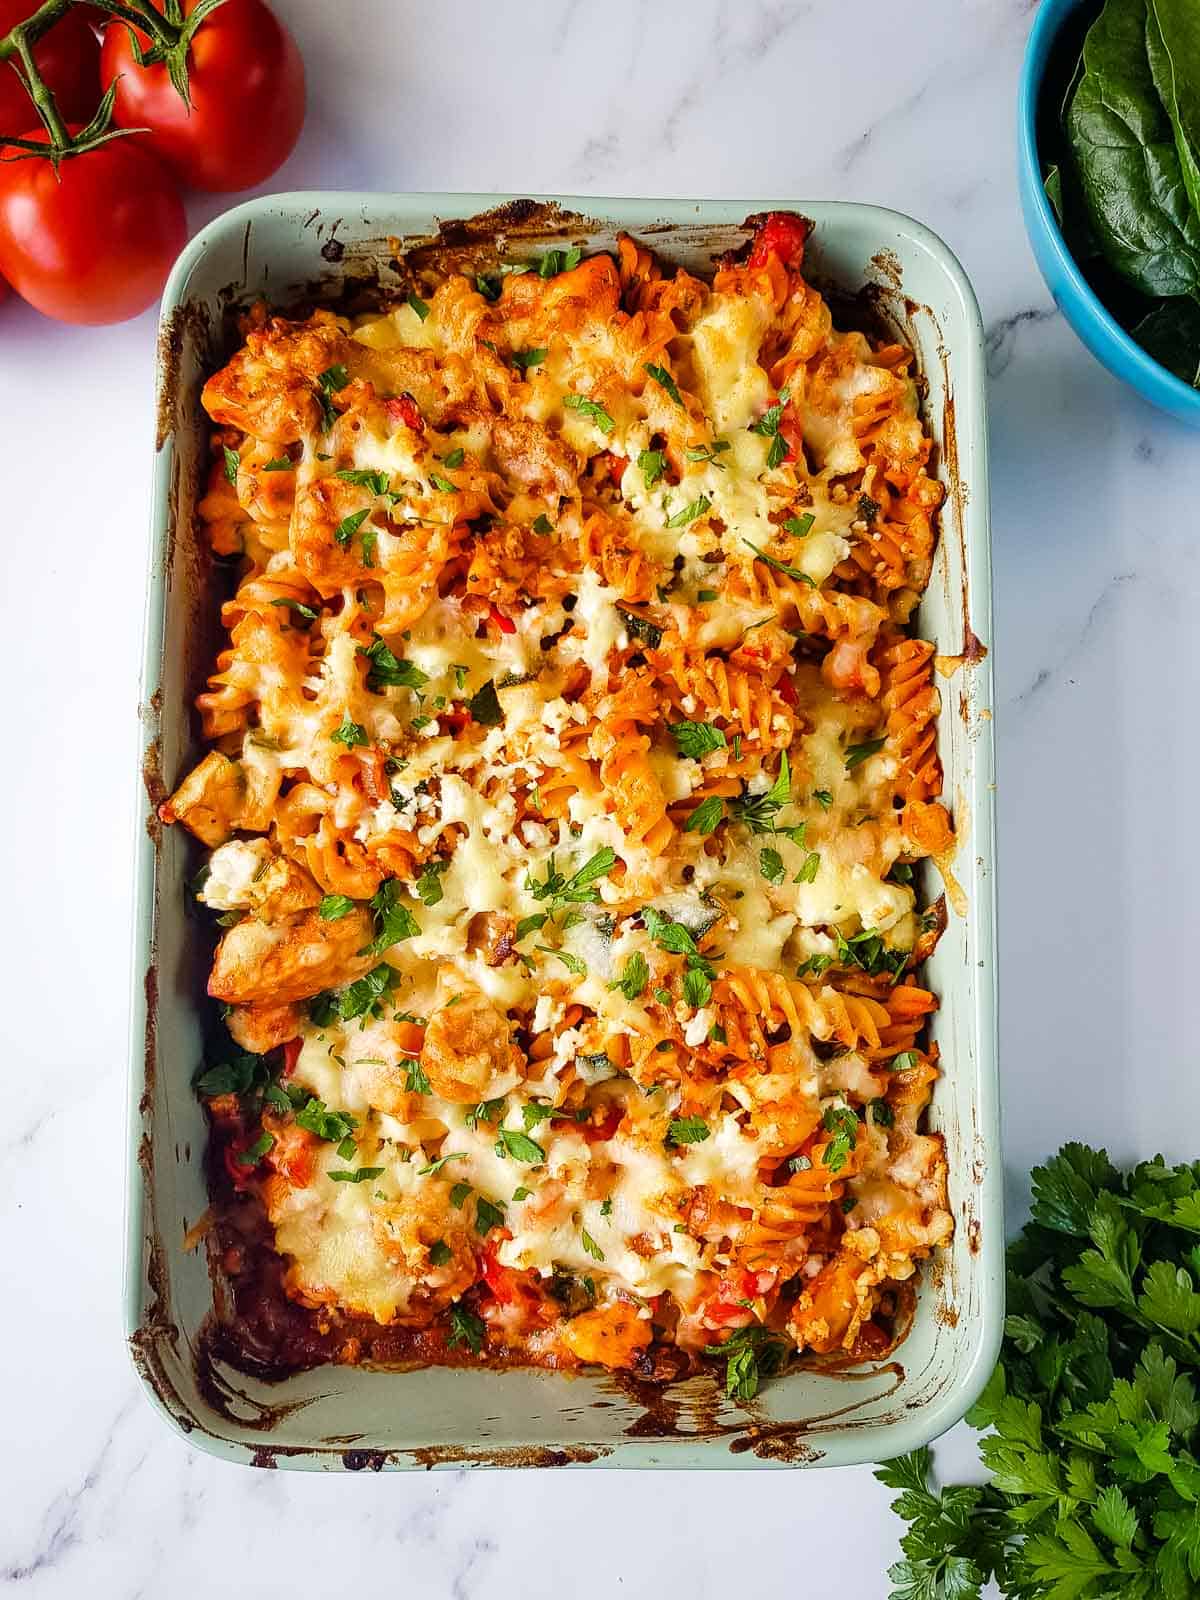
569, 763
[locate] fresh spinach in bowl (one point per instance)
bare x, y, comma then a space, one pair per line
1121, 164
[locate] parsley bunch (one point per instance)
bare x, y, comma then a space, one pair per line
1094, 1406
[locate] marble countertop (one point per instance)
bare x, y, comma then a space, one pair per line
1097, 587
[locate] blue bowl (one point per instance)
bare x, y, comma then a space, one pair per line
1076, 299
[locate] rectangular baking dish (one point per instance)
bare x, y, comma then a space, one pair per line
312, 246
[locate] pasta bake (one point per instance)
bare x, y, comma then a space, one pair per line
571, 760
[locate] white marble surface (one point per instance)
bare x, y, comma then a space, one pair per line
1097, 566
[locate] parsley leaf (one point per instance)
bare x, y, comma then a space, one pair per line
358, 1175
418, 305
651, 464
770, 865
842, 1123
440, 1254
485, 707
781, 566
665, 381
706, 816
697, 988
520, 1146
298, 607
351, 734
487, 1217
696, 739
388, 670
334, 906
393, 921
442, 483
590, 409
856, 754
529, 358
349, 526
572, 963
232, 462
429, 884
635, 977
590, 1245
799, 526
690, 512
377, 482
687, 1130
466, 1329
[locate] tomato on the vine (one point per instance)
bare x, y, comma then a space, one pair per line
68, 59
95, 241
245, 84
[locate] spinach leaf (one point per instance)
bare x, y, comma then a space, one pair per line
1173, 49
1171, 334
1125, 155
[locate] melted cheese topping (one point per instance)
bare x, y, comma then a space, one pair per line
566, 661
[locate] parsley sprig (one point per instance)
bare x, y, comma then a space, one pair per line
1094, 1406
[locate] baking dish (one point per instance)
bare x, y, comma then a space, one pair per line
306, 247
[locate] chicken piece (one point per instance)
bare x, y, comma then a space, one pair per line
262, 1026
321, 507
530, 456
210, 800
468, 1054
286, 961
609, 1336
271, 389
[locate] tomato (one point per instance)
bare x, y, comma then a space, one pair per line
782, 234
246, 82
94, 242
68, 58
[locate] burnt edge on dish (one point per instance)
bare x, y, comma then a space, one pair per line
371, 275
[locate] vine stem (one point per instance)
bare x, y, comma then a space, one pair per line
31, 30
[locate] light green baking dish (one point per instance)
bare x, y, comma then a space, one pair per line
297, 246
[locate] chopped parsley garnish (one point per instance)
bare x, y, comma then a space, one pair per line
522, 1193
690, 512
868, 951
442, 483
459, 1195
298, 607
634, 978
490, 1111
881, 1113
770, 865
518, 1145
484, 706
687, 1130
904, 1062
781, 566
329, 383
315, 1117
709, 452
232, 462
580, 888
901, 872
488, 287
651, 464
856, 754
823, 798
487, 1217
799, 526
388, 670
429, 884
440, 1254
349, 526
814, 966
809, 868
436, 1166
415, 1079
697, 988
413, 299
556, 261
466, 1329
351, 734
277, 464
665, 381
365, 478
589, 408
641, 628
334, 906
664, 997
707, 594
236, 1076
572, 963
606, 1208
529, 358
842, 1123
541, 524
359, 1175
768, 427
758, 811
253, 1154
696, 739
393, 921
750, 1354
706, 816
421, 720
590, 1245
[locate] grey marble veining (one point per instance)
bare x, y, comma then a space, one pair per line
1097, 591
